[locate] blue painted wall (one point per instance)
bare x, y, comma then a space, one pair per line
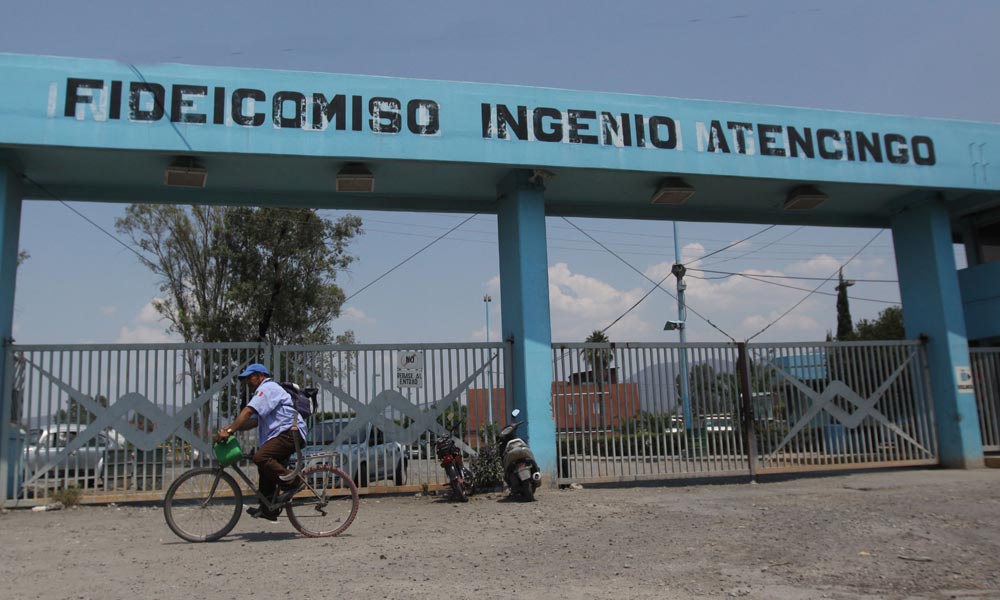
35, 103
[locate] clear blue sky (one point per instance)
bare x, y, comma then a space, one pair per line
932, 59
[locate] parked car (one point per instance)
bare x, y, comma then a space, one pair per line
364, 453
44, 445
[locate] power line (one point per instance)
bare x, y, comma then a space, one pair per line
768, 228
756, 250
647, 278
630, 234
772, 256
408, 258
806, 297
793, 287
729, 274
85, 218
162, 108
638, 302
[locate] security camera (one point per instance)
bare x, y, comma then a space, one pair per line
673, 325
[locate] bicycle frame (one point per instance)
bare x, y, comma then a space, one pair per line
301, 461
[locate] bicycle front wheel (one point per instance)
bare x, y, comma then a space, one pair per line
328, 505
202, 505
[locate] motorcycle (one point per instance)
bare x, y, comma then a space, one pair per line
450, 455
520, 469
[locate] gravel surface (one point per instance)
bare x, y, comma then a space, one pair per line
897, 534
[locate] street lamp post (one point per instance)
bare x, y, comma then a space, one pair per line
678, 271
489, 371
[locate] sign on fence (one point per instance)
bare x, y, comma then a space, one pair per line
410, 369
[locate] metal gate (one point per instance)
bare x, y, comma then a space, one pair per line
838, 405
986, 379
380, 407
645, 411
120, 422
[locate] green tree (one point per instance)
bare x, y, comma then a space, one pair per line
845, 328
76, 413
598, 359
710, 391
242, 273
887, 326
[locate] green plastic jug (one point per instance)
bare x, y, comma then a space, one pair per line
228, 452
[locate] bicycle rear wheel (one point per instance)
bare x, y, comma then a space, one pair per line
202, 505
329, 504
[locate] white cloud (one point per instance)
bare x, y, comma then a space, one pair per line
817, 266
692, 251
148, 327
149, 314
580, 304
141, 334
356, 315
740, 306
479, 335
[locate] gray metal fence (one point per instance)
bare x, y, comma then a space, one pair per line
986, 379
840, 405
620, 413
120, 422
638, 411
116, 422
381, 406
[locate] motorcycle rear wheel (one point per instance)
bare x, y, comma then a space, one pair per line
458, 491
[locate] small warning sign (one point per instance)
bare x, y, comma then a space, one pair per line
963, 375
410, 369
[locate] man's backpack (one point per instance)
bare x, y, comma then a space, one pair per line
304, 400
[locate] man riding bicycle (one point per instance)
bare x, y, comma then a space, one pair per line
272, 411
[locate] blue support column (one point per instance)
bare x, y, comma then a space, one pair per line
524, 287
932, 306
10, 228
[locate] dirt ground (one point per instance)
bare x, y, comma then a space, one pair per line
897, 534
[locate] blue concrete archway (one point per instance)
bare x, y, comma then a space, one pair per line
106, 131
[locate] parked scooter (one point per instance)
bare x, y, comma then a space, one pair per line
519, 467
450, 455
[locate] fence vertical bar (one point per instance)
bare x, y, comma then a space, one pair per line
747, 418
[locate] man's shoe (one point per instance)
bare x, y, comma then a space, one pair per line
287, 494
259, 512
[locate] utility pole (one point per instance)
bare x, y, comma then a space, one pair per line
489, 369
678, 271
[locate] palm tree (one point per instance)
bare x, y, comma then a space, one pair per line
598, 359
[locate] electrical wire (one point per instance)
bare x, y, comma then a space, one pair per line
768, 228
729, 274
630, 234
756, 250
647, 278
807, 296
85, 218
801, 289
408, 258
163, 108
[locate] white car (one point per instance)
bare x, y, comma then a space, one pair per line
45, 451
363, 452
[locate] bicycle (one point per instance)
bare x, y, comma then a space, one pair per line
205, 503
